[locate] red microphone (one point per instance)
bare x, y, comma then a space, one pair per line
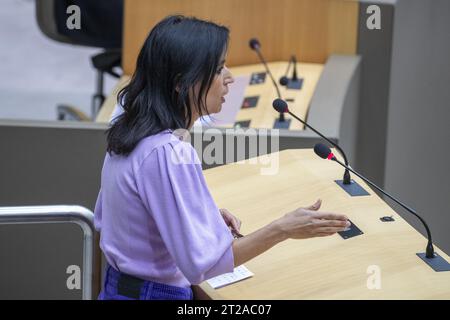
429, 256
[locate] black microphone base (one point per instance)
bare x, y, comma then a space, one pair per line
282, 124
438, 263
295, 84
353, 189
351, 231
257, 78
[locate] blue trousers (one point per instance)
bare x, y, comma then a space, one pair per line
118, 286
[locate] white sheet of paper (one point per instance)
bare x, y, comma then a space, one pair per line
231, 107
239, 273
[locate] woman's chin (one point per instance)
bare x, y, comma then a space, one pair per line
215, 109
218, 109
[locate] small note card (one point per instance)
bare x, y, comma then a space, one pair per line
239, 273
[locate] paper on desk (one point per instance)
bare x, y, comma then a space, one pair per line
231, 107
239, 273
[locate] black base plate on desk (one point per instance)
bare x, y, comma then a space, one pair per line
353, 189
242, 124
437, 263
282, 124
257, 78
295, 84
250, 102
350, 232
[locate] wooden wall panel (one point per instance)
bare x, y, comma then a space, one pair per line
312, 29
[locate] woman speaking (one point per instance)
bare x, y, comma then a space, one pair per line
161, 231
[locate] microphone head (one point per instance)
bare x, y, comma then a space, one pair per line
284, 80
322, 150
254, 44
280, 105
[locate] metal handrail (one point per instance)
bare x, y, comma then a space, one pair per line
61, 213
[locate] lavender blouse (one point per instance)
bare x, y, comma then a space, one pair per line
156, 217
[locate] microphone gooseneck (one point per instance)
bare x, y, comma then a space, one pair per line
325, 153
294, 73
281, 106
284, 80
255, 45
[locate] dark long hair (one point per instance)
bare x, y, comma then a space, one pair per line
178, 53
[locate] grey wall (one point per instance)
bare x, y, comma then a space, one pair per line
50, 163
418, 126
375, 48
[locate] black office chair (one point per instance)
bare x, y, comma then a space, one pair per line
101, 27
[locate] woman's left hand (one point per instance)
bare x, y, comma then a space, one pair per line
232, 222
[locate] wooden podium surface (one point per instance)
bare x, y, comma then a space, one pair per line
322, 268
263, 115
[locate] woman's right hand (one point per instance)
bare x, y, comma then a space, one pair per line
304, 223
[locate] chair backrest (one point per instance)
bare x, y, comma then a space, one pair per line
101, 22
46, 252
45, 16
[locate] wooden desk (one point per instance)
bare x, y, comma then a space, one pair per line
263, 115
322, 268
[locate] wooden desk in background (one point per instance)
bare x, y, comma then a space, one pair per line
322, 268
263, 115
